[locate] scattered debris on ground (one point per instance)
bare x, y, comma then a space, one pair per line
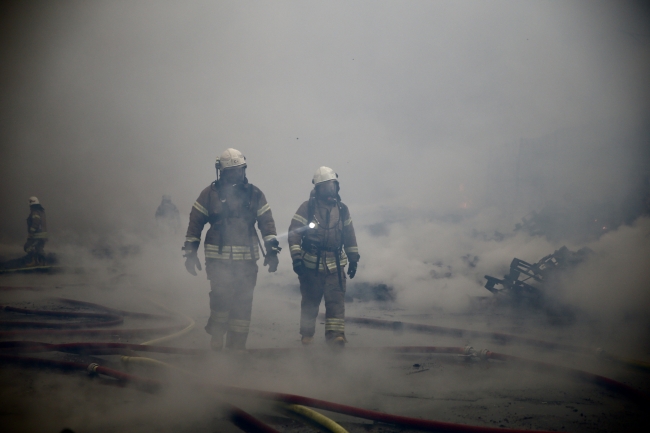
527, 281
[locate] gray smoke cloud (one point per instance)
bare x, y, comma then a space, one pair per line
446, 121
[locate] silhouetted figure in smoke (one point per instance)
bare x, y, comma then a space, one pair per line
36, 234
322, 242
167, 215
232, 206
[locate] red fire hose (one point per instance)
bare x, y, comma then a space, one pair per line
458, 332
151, 384
245, 421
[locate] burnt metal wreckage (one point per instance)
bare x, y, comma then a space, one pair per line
526, 280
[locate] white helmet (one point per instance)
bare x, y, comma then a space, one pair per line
33, 200
230, 158
323, 174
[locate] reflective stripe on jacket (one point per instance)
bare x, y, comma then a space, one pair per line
238, 252
332, 231
37, 223
226, 209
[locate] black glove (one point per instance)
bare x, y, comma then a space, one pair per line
352, 269
299, 267
272, 260
191, 259
191, 262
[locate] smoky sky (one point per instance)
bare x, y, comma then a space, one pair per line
421, 106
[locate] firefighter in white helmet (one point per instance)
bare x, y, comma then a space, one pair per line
232, 206
36, 234
322, 244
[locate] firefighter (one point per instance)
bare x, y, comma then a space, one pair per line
167, 215
36, 234
232, 206
322, 242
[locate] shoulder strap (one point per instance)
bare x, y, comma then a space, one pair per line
249, 197
338, 205
311, 209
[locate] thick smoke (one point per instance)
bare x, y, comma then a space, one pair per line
447, 122
443, 120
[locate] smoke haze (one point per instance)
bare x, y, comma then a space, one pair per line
447, 122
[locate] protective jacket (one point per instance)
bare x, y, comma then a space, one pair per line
232, 211
36, 223
332, 235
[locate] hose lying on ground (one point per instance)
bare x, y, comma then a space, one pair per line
188, 328
35, 346
28, 288
118, 348
468, 351
311, 417
114, 310
108, 319
296, 411
499, 337
115, 316
293, 399
151, 384
590, 377
240, 418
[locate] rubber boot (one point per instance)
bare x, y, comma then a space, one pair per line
30, 261
236, 341
217, 327
335, 340
306, 341
216, 342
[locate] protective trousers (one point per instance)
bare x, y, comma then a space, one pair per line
313, 287
35, 249
231, 299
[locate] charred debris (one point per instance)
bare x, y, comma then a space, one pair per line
529, 283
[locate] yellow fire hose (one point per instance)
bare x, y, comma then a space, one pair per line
629, 362
299, 412
311, 417
175, 335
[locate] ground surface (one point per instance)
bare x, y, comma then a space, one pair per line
441, 387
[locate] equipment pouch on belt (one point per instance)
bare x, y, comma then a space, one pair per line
310, 245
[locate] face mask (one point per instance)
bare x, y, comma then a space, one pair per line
234, 175
327, 189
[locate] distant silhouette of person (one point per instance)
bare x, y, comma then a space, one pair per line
36, 234
167, 215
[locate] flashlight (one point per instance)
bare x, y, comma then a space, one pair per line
312, 225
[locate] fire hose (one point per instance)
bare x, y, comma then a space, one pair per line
152, 385
118, 348
243, 420
115, 315
499, 337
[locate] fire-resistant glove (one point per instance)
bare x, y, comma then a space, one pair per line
299, 267
191, 259
272, 247
191, 262
272, 260
352, 269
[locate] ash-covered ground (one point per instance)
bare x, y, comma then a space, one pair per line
442, 387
